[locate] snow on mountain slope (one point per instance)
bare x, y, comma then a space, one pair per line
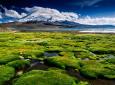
48, 14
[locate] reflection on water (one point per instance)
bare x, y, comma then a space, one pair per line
50, 54
96, 30
37, 65
35, 27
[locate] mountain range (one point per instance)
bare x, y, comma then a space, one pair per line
41, 20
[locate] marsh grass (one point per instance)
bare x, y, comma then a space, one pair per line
86, 53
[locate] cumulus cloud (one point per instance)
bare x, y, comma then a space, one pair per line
56, 15
10, 15
45, 14
13, 13
23, 15
48, 13
97, 21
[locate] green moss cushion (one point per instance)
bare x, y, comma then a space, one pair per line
19, 64
39, 77
6, 73
8, 58
95, 69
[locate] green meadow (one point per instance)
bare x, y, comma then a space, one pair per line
54, 54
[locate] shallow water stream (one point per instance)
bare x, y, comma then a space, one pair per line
74, 73
38, 65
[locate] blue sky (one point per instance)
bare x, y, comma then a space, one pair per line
94, 8
94, 12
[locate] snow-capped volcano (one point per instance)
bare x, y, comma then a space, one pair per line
50, 15
47, 14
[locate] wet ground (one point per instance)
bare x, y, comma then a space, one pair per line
38, 65
74, 73
50, 54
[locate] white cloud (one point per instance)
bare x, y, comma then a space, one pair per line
84, 3
91, 2
1, 15
23, 15
48, 13
12, 13
40, 13
70, 16
97, 21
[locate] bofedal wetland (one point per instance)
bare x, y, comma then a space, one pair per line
57, 58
